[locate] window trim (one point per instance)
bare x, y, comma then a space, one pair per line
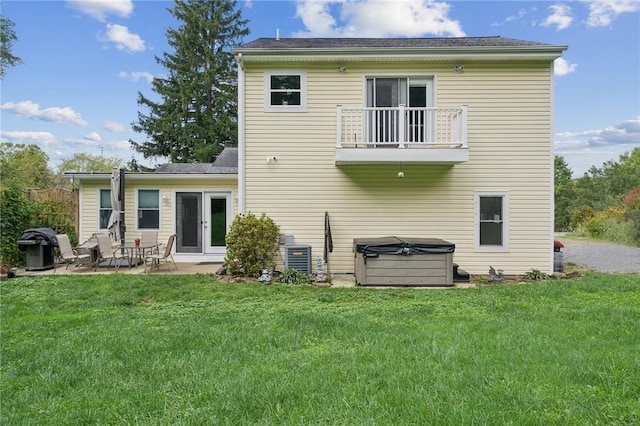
137, 211
505, 221
100, 208
290, 108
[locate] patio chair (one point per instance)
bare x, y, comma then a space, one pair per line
70, 255
157, 259
149, 238
106, 251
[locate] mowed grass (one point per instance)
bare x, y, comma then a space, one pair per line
171, 350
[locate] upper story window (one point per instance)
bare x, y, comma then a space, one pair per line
492, 221
104, 208
285, 90
148, 209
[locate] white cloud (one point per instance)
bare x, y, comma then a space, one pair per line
588, 148
625, 133
123, 39
376, 18
41, 138
100, 9
93, 137
602, 12
136, 75
56, 115
560, 18
114, 127
563, 67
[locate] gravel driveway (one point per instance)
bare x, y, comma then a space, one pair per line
602, 257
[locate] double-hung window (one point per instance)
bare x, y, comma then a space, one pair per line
104, 208
492, 222
285, 90
148, 209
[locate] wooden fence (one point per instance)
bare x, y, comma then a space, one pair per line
66, 202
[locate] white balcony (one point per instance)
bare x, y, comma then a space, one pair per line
403, 134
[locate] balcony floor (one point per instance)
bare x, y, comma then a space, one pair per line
435, 154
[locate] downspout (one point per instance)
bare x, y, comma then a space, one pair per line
241, 133
552, 168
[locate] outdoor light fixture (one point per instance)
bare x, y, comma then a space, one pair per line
165, 198
458, 68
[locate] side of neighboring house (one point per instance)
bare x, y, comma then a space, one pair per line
197, 202
436, 138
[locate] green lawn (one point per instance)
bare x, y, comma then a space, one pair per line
169, 350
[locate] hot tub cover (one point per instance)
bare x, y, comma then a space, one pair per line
400, 245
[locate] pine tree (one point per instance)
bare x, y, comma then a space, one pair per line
197, 112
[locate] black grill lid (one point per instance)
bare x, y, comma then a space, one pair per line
40, 235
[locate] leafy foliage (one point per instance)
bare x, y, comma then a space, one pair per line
15, 213
602, 202
535, 275
197, 112
7, 37
251, 244
25, 165
293, 276
89, 163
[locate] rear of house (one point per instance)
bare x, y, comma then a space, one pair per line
197, 202
429, 138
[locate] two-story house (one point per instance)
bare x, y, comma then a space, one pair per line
447, 138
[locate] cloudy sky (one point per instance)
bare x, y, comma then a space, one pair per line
85, 61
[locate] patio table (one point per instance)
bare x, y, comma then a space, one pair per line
137, 252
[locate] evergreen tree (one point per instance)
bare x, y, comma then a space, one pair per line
196, 115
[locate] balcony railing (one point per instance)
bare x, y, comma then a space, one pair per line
401, 127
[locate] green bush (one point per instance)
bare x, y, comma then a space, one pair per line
251, 244
15, 215
293, 276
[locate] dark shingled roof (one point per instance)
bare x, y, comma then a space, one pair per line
388, 43
225, 163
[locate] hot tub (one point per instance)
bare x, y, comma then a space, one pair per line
396, 261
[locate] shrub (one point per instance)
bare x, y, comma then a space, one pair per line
293, 276
581, 216
535, 275
251, 244
15, 214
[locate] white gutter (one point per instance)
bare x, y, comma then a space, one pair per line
95, 177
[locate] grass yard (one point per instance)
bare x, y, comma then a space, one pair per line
171, 350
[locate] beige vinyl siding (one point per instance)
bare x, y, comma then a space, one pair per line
509, 128
89, 202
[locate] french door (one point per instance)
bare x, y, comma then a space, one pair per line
386, 95
202, 221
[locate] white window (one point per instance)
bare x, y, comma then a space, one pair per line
104, 208
148, 209
492, 221
285, 90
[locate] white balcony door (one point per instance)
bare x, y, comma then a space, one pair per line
217, 217
385, 92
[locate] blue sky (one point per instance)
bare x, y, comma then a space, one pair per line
85, 61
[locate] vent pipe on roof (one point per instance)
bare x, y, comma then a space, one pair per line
277, 33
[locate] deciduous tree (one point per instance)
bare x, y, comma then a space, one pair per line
7, 37
196, 114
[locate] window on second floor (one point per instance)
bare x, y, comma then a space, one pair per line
285, 90
104, 208
148, 209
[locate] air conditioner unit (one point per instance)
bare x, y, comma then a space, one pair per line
298, 257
